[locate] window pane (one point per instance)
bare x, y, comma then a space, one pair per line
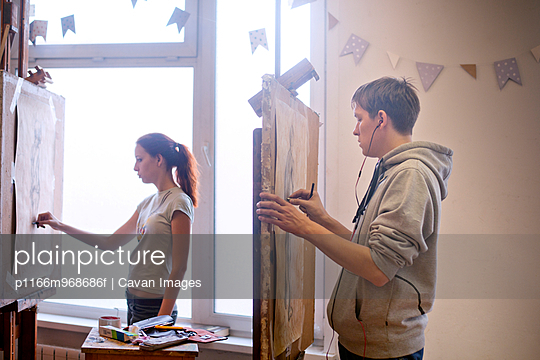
107, 110
109, 22
238, 78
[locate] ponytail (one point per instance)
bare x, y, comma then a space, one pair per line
187, 172
177, 155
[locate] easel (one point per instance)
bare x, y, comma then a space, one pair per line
18, 319
14, 20
264, 242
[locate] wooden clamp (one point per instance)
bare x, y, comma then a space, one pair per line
295, 77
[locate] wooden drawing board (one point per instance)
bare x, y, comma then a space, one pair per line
285, 272
31, 176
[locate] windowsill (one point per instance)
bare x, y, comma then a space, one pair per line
236, 344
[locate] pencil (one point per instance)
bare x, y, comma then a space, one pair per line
312, 187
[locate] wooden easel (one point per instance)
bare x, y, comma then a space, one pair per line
18, 317
264, 242
14, 20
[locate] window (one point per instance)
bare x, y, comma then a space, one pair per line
136, 69
238, 78
129, 82
100, 189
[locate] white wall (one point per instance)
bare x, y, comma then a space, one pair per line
489, 297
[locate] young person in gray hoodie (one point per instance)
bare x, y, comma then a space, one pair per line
387, 285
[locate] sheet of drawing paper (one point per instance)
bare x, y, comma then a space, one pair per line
34, 173
291, 169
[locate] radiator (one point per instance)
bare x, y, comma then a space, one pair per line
49, 352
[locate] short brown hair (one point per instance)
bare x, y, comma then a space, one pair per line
397, 97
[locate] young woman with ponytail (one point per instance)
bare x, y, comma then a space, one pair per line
161, 222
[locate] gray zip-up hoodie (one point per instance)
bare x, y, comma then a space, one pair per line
400, 226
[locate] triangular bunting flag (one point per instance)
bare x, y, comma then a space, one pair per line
507, 69
356, 46
37, 28
68, 23
332, 21
133, 2
470, 68
180, 17
536, 53
393, 59
428, 73
258, 37
297, 3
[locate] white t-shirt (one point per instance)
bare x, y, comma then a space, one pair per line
154, 233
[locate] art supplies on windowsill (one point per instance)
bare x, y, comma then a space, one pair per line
117, 333
163, 342
216, 329
175, 337
153, 321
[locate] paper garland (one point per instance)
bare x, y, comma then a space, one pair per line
470, 68
356, 46
394, 59
133, 2
507, 70
180, 17
38, 28
428, 73
332, 21
258, 37
536, 53
68, 23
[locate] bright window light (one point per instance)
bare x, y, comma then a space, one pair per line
239, 77
107, 110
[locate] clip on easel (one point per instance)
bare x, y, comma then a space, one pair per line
40, 77
295, 77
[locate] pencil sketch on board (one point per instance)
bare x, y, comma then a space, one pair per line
291, 170
34, 175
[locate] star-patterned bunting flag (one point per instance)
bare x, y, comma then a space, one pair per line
258, 37
68, 23
505, 70
470, 68
536, 53
394, 59
428, 73
180, 17
332, 21
356, 46
38, 28
297, 3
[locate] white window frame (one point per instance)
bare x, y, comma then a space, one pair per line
198, 51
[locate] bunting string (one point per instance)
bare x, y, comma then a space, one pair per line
505, 69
